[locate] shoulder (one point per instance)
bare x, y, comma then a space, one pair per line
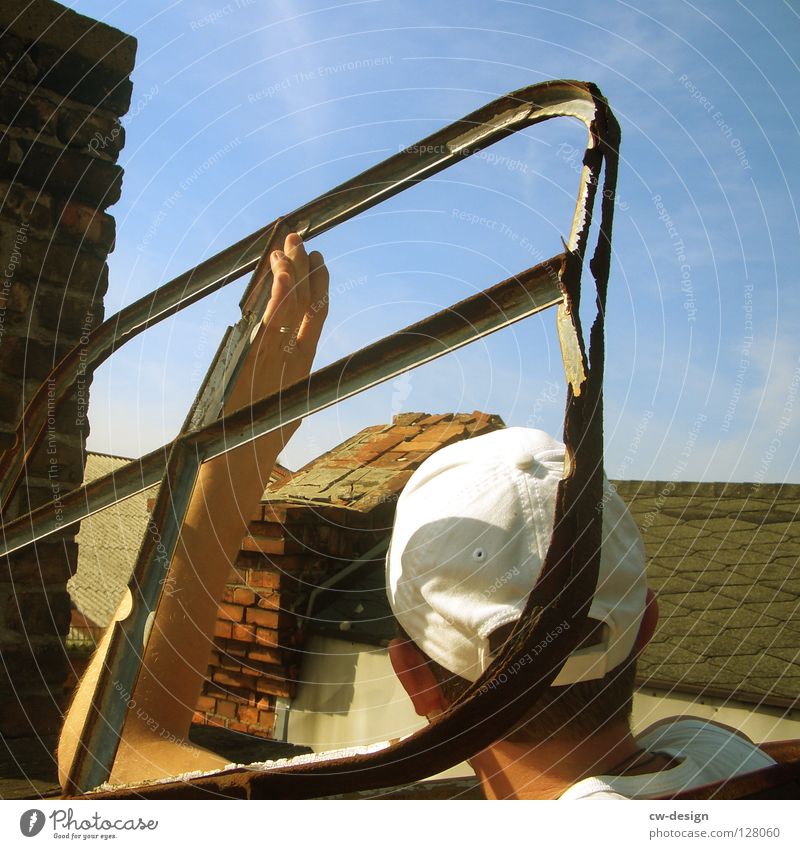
705, 741
692, 724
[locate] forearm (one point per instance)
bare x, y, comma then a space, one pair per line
175, 658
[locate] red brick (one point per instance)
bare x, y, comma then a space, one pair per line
233, 649
226, 709
485, 421
248, 714
435, 419
29, 358
266, 718
59, 171
276, 671
265, 703
238, 680
283, 514
257, 515
224, 661
198, 718
266, 637
263, 618
243, 633
275, 687
387, 442
16, 299
412, 459
212, 690
264, 655
293, 563
241, 727
270, 601
424, 446
263, 578
82, 223
272, 545
22, 204
442, 432
238, 574
270, 530
244, 596
223, 629
231, 612
206, 703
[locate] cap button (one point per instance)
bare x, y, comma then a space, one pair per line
525, 462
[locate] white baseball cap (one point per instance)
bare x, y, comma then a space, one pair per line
471, 531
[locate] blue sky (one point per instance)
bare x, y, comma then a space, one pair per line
244, 110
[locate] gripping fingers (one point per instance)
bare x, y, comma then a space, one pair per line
281, 310
317, 308
299, 302
296, 251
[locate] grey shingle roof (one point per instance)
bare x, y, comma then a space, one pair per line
723, 559
108, 543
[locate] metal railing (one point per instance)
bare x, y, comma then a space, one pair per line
489, 706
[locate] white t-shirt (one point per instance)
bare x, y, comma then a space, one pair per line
706, 753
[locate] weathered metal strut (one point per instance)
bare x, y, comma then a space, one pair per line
496, 700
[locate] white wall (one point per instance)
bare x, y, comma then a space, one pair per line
761, 725
355, 699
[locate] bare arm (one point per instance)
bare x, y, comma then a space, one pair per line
176, 656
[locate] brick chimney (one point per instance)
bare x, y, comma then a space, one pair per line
64, 87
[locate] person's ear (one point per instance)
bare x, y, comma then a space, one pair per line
649, 621
411, 667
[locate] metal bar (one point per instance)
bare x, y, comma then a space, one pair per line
85, 501
105, 719
479, 315
479, 129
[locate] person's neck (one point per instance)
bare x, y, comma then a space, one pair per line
510, 770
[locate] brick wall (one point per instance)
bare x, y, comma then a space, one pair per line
256, 657
64, 87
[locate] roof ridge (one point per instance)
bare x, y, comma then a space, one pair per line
112, 456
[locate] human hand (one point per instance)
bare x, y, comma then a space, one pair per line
298, 305
283, 348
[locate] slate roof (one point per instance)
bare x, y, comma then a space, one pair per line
108, 543
723, 559
372, 467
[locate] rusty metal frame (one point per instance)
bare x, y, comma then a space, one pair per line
489, 706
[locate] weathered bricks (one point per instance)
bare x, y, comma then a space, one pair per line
64, 88
263, 618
